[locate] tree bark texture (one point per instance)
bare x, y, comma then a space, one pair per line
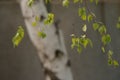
51, 50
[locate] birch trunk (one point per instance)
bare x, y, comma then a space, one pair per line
51, 50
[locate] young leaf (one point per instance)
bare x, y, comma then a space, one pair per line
30, 2
50, 19
75, 1
37, 18
18, 37
34, 24
106, 39
82, 13
84, 17
110, 53
79, 49
115, 63
65, 3
84, 28
110, 62
41, 34
95, 26
103, 49
118, 25
90, 17
102, 29
73, 42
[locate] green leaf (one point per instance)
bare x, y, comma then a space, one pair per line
106, 39
65, 3
73, 43
118, 25
79, 49
34, 24
90, 17
102, 29
41, 34
115, 63
30, 3
110, 53
103, 49
75, 1
84, 28
18, 37
50, 19
110, 62
82, 13
84, 17
95, 26
85, 42
90, 42
37, 18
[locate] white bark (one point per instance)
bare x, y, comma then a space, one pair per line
51, 50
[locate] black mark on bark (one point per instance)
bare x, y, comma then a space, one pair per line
42, 18
51, 74
58, 53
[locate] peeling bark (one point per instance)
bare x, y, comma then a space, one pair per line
51, 50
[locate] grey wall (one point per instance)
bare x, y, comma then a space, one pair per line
91, 64
22, 63
19, 63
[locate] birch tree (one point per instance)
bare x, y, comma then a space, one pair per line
51, 50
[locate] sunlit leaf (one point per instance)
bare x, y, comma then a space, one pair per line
79, 49
110, 53
18, 36
34, 24
30, 3
37, 18
41, 34
115, 63
73, 43
103, 49
106, 39
118, 25
65, 3
102, 29
95, 26
50, 19
90, 17
75, 1
82, 13
84, 28
83, 36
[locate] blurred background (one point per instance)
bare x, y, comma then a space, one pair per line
22, 63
